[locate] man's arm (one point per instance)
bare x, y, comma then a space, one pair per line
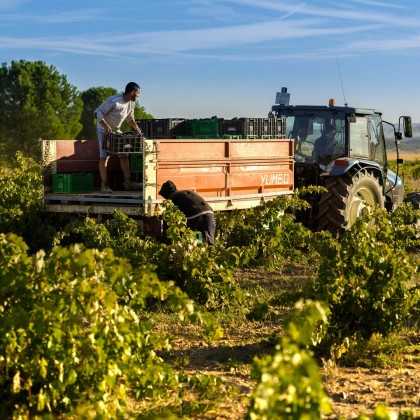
105, 125
134, 126
100, 112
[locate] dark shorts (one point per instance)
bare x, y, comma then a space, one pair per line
206, 224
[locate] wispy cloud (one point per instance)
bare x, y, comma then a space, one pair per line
349, 11
50, 18
380, 4
325, 29
395, 45
241, 35
170, 42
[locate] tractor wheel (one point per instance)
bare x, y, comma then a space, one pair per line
348, 197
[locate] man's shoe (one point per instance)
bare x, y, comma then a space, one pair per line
132, 186
105, 189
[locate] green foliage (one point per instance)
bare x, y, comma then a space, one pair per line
404, 229
141, 114
377, 352
289, 384
366, 280
75, 330
204, 273
74, 336
20, 202
202, 391
383, 413
267, 233
410, 168
36, 102
410, 173
115, 233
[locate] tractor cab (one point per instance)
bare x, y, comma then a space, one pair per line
323, 134
343, 149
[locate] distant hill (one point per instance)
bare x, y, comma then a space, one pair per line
407, 145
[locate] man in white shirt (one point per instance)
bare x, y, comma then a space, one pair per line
110, 115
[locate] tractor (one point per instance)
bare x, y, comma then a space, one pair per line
343, 149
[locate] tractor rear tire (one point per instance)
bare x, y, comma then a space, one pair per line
348, 198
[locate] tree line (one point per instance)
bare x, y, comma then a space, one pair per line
39, 102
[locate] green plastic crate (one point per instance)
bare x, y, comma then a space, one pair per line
204, 127
199, 237
72, 183
136, 162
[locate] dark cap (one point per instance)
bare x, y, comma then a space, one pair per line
167, 189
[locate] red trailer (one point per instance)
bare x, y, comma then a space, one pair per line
229, 173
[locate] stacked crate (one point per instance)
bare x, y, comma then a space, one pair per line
72, 183
136, 162
145, 127
273, 128
207, 128
163, 128
239, 127
214, 127
253, 128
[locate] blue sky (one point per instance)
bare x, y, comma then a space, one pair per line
199, 58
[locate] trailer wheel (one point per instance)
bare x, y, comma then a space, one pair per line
348, 198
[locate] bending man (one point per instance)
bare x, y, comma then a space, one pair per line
199, 214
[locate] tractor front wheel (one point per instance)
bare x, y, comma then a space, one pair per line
348, 198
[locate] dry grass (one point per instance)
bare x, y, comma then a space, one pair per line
405, 156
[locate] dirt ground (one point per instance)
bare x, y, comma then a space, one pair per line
353, 391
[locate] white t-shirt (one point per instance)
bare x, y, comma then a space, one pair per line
115, 110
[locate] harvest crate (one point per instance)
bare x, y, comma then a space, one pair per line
239, 127
272, 127
164, 128
128, 142
168, 128
254, 127
280, 128
136, 162
72, 183
145, 127
203, 128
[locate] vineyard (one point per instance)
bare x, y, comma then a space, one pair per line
99, 320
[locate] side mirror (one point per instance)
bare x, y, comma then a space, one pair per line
408, 129
351, 118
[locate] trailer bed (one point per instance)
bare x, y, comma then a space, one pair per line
229, 174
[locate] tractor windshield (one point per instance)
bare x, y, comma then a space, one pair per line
319, 138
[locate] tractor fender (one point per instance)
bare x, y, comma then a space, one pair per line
394, 179
395, 191
341, 166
